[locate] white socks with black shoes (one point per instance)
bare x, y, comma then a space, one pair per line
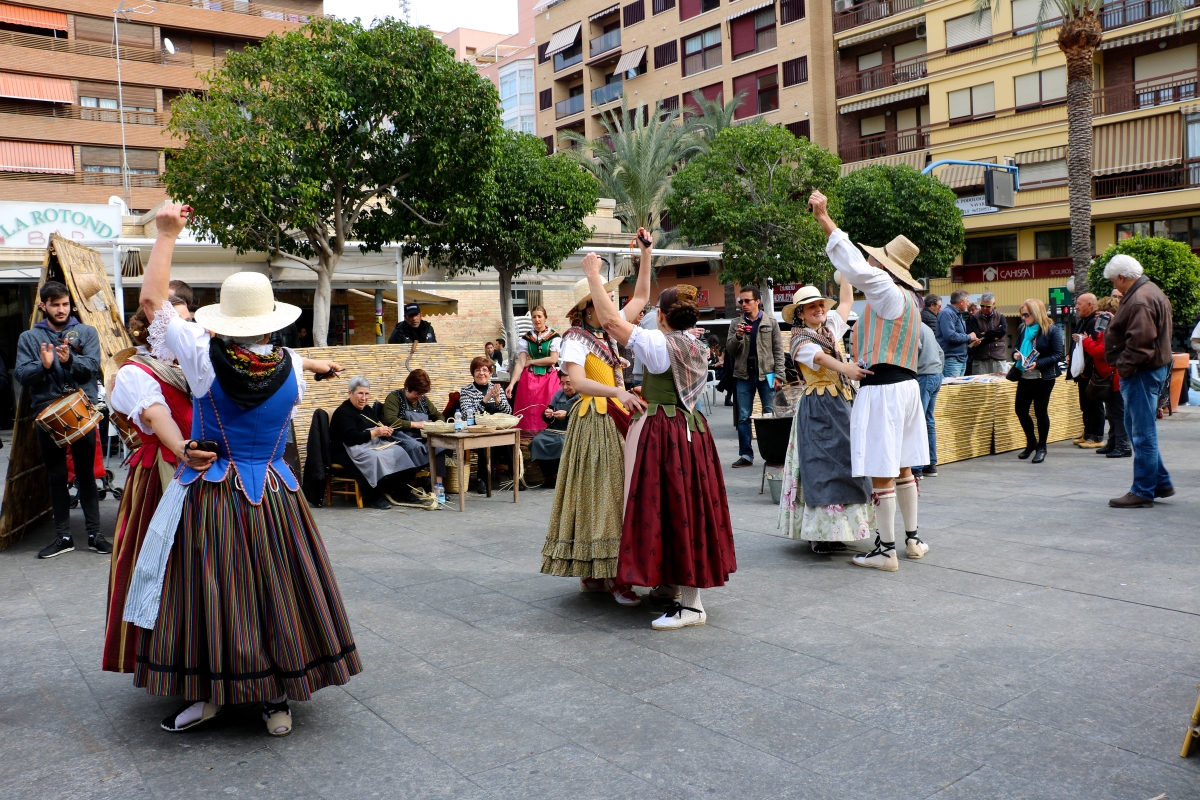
907, 495
686, 612
884, 555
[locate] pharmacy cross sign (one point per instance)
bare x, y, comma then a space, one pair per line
1060, 300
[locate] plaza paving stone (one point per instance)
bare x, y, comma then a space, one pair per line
1047, 647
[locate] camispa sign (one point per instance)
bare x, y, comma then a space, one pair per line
29, 225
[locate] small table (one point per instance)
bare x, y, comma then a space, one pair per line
463, 443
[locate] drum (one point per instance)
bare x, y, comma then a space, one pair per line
69, 418
129, 433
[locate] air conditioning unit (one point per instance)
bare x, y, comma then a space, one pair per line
921, 31
842, 6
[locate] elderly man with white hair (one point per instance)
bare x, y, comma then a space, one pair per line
990, 327
1138, 346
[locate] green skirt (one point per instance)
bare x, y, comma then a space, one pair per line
585, 523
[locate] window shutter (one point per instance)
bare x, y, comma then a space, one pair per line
111, 157
688, 9
791, 11
1054, 84
666, 54
549, 140
634, 12
1025, 13
542, 57
870, 60
903, 52
669, 104
749, 85
966, 29
799, 129
960, 103
795, 71
741, 35
1028, 89
983, 99
545, 99
870, 126
91, 29
712, 92
1045, 172
663, 5
107, 91
1164, 62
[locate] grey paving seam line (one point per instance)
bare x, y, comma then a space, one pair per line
1061, 589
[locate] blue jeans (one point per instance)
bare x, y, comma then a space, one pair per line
954, 367
1140, 393
745, 406
930, 386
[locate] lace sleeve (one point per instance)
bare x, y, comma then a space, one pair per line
156, 336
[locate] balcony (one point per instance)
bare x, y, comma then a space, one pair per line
1162, 91
105, 51
565, 108
1182, 176
250, 9
1128, 12
883, 76
603, 95
885, 144
874, 10
568, 58
602, 44
63, 111
86, 179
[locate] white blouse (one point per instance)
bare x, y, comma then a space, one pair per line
806, 352
650, 347
573, 352
134, 391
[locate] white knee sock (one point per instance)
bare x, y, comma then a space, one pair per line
907, 496
885, 515
690, 598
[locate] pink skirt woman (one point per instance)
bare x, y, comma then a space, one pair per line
533, 395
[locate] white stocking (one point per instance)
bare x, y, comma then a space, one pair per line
907, 497
190, 714
885, 515
690, 598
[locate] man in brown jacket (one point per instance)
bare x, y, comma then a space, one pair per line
1138, 345
755, 346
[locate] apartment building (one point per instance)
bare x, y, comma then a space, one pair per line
508, 62
921, 82
777, 53
60, 121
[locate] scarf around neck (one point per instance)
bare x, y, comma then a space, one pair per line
248, 378
689, 366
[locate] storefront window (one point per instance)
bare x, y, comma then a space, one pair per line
1057, 244
1180, 229
991, 249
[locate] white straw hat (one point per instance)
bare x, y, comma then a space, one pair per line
583, 291
897, 257
248, 308
803, 296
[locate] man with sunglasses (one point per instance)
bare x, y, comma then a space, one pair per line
991, 329
756, 346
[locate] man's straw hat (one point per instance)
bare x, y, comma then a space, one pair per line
803, 296
247, 308
583, 292
897, 256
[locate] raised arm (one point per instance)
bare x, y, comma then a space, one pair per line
610, 318
641, 291
845, 300
170, 221
886, 298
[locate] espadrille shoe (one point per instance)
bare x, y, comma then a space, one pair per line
679, 616
624, 594
915, 548
882, 556
173, 725
278, 718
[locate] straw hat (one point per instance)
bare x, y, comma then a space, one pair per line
248, 308
803, 296
897, 257
583, 291
88, 285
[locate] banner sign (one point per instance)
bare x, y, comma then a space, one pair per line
29, 225
1014, 271
975, 204
783, 292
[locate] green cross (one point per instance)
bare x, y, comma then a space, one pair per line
1059, 296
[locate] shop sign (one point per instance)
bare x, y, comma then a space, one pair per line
29, 225
1014, 271
784, 292
1060, 301
975, 204
702, 297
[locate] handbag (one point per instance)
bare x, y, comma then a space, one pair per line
1014, 374
1098, 389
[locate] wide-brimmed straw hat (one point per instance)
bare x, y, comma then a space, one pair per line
802, 297
897, 257
248, 308
583, 291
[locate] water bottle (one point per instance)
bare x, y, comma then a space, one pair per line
470, 416
441, 494
458, 422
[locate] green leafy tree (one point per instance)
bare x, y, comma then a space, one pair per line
330, 134
882, 202
529, 217
1171, 265
749, 193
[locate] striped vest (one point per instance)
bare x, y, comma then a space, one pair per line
889, 341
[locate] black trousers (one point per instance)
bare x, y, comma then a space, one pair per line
1114, 408
83, 453
1035, 392
1093, 413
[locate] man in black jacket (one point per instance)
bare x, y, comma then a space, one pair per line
412, 328
56, 357
1092, 410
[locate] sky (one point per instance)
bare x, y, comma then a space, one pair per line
441, 15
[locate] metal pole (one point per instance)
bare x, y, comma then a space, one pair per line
118, 286
400, 282
121, 108
379, 317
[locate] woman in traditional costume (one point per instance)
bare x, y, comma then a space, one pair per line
535, 379
676, 530
585, 522
250, 611
149, 396
822, 501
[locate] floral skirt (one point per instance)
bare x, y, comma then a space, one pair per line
534, 393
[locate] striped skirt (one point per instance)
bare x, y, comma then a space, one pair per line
250, 607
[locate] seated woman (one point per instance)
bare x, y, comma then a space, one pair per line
383, 472
481, 396
546, 447
406, 411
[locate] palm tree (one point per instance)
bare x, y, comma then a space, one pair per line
714, 117
1079, 34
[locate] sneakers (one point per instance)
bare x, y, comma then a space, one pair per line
99, 544
679, 616
1130, 500
742, 462
1090, 444
883, 557
1079, 440
929, 472
60, 545
914, 547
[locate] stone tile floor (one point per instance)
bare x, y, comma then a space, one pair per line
1047, 647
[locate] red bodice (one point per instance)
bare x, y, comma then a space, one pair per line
180, 406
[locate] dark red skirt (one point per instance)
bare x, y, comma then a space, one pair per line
677, 528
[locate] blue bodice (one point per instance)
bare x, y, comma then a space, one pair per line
253, 440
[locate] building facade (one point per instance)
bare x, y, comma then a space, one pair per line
777, 54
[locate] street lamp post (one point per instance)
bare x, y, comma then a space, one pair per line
124, 12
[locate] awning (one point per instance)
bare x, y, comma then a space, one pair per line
563, 39
1150, 35
1138, 144
37, 157
630, 60
880, 32
602, 14
884, 99
961, 176
432, 305
32, 17
33, 87
915, 159
750, 10
1041, 156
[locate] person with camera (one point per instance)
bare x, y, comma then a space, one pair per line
755, 345
58, 356
1105, 384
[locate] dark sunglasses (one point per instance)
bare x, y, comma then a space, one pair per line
1026, 314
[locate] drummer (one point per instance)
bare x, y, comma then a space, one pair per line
406, 411
368, 450
56, 357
